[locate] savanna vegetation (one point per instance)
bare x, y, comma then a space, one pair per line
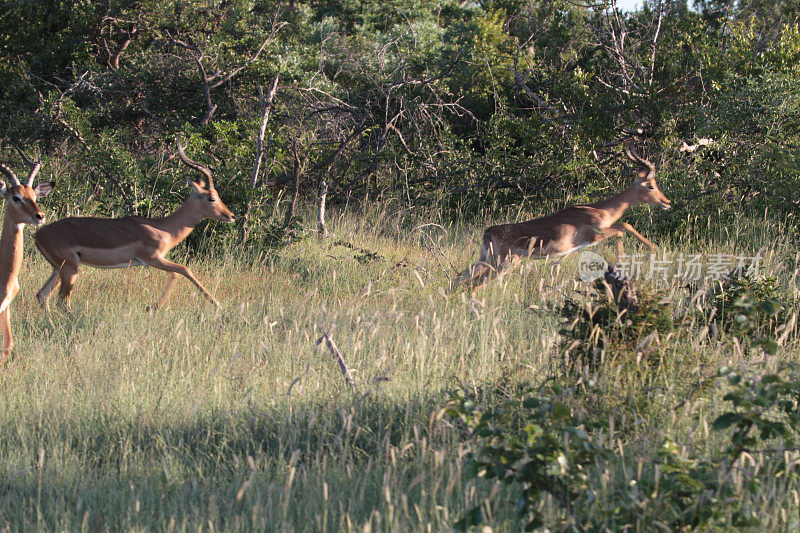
537, 402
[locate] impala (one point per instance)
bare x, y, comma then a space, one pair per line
566, 231
21, 209
129, 241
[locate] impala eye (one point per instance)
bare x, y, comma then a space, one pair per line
15, 198
212, 199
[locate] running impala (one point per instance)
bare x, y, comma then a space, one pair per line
21, 209
129, 241
566, 231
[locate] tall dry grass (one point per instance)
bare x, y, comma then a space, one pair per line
193, 418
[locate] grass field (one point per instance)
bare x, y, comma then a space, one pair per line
198, 419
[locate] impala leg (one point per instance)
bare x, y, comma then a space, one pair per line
169, 266
624, 226
67, 273
43, 296
5, 328
618, 233
173, 277
620, 248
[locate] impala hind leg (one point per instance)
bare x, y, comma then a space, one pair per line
43, 296
68, 272
476, 275
169, 266
173, 277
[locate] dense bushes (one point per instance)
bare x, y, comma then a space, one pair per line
483, 105
554, 442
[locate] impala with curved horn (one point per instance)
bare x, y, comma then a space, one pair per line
566, 231
21, 209
129, 241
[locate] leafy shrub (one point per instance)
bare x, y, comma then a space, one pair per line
603, 325
764, 407
532, 439
751, 309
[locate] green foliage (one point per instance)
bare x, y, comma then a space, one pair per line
534, 440
486, 106
751, 308
271, 234
765, 408
600, 327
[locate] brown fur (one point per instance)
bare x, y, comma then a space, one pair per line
20, 209
565, 231
129, 241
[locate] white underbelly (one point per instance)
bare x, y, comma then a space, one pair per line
132, 263
574, 249
543, 254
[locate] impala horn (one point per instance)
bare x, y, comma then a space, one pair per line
35, 166
12, 178
628, 147
196, 166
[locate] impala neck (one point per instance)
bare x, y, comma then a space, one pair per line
180, 223
10, 249
616, 205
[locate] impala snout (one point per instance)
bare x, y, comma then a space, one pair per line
225, 215
38, 219
654, 196
663, 202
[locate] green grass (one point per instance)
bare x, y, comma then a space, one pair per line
194, 418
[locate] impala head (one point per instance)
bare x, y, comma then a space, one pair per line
645, 187
21, 197
204, 195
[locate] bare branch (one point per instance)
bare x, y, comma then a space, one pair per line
266, 107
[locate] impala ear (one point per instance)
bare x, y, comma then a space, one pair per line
642, 176
44, 188
196, 185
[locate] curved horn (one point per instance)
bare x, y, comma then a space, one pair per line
32, 175
628, 147
11, 176
35, 166
196, 166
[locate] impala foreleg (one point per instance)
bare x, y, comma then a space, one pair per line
611, 233
5, 328
624, 226
5, 320
43, 296
169, 266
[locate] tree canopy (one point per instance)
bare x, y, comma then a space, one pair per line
474, 104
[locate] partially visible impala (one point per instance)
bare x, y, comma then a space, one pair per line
20, 209
566, 231
129, 241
